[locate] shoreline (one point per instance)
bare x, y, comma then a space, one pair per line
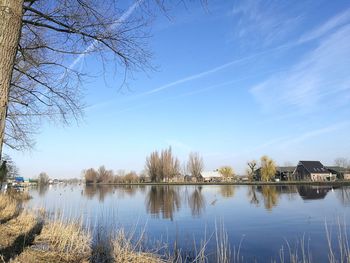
283, 183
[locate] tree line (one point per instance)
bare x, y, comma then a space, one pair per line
106, 176
164, 166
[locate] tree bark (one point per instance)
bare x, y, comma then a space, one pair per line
10, 30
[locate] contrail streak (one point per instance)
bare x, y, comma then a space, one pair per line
124, 16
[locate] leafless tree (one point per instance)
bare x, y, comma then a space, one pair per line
40, 44
12, 169
163, 166
90, 175
195, 164
153, 166
342, 162
104, 175
251, 169
43, 178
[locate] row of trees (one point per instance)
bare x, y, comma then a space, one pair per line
342, 162
163, 166
103, 175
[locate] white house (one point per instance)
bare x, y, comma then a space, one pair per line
211, 176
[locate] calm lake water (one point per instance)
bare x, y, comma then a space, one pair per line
262, 218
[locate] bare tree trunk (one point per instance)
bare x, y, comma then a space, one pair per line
10, 29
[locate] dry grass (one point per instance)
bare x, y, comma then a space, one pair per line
300, 253
19, 226
19, 196
59, 242
8, 208
341, 252
125, 251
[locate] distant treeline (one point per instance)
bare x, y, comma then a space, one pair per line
102, 175
160, 166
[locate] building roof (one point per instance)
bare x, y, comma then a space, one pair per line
285, 169
211, 174
19, 179
337, 169
314, 167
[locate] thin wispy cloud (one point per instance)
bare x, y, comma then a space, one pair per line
320, 75
314, 134
334, 22
259, 24
286, 142
94, 44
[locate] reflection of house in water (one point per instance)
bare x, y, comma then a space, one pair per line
309, 192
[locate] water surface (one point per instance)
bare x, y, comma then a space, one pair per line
262, 218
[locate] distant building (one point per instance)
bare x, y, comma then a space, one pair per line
193, 179
283, 173
19, 179
340, 172
211, 176
312, 171
177, 179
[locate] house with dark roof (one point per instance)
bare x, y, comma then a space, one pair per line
312, 171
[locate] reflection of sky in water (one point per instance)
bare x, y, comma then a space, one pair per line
263, 216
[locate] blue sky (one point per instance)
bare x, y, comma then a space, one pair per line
234, 81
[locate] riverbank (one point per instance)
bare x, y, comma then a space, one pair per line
316, 183
33, 237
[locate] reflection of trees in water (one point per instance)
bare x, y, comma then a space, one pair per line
290, 190
163, 200
270, 195
42, 189
102, 191
227, 191
197, 202
253, 197
129, 190
343, 195
99, 190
